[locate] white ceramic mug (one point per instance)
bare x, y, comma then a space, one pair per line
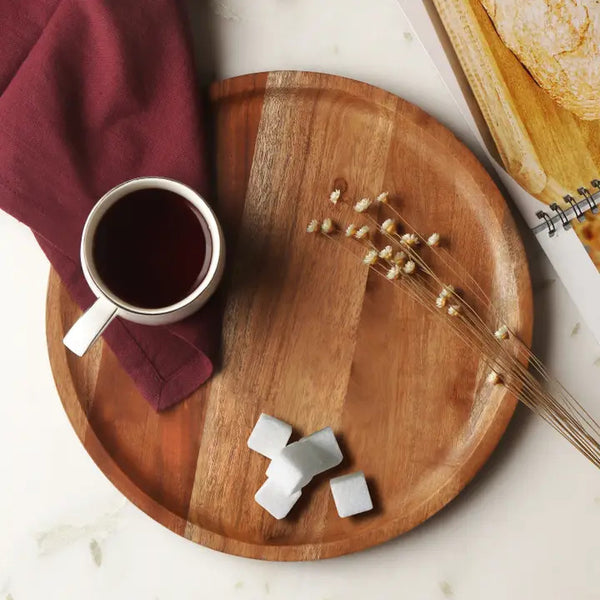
94, 321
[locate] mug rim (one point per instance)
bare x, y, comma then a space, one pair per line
214, 241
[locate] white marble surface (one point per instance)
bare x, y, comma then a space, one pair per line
526, 528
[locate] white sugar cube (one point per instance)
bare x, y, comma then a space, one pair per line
351, 494
295, 466
325, 443
269, 436
274, 500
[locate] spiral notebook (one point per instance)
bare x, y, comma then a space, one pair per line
539, 151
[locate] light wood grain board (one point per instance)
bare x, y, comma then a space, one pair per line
546, 148
309, 335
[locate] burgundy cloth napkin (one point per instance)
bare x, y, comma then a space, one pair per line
92, 93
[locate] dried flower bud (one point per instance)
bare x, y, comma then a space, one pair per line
370, 257
494, 378
454, 310
409, 267
399, 258
410, 240
382, 198
501, 333
313, 226
386, 253
389, 226
447, 291
433, 239
351, 230
335, 196
393, 272
440, 301
327, 226
362, 205
362, 233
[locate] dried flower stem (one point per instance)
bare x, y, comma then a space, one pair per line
501, 348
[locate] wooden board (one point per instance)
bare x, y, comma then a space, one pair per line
309, 335
546, 148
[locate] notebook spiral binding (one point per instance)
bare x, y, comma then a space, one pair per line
577, 210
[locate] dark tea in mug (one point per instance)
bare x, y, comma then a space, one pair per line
150, 248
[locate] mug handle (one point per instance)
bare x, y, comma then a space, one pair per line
89, 327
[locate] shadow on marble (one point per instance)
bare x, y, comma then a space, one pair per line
204, 33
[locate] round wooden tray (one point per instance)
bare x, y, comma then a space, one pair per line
309, 336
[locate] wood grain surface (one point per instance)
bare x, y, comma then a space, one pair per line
309, 335
546, 148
